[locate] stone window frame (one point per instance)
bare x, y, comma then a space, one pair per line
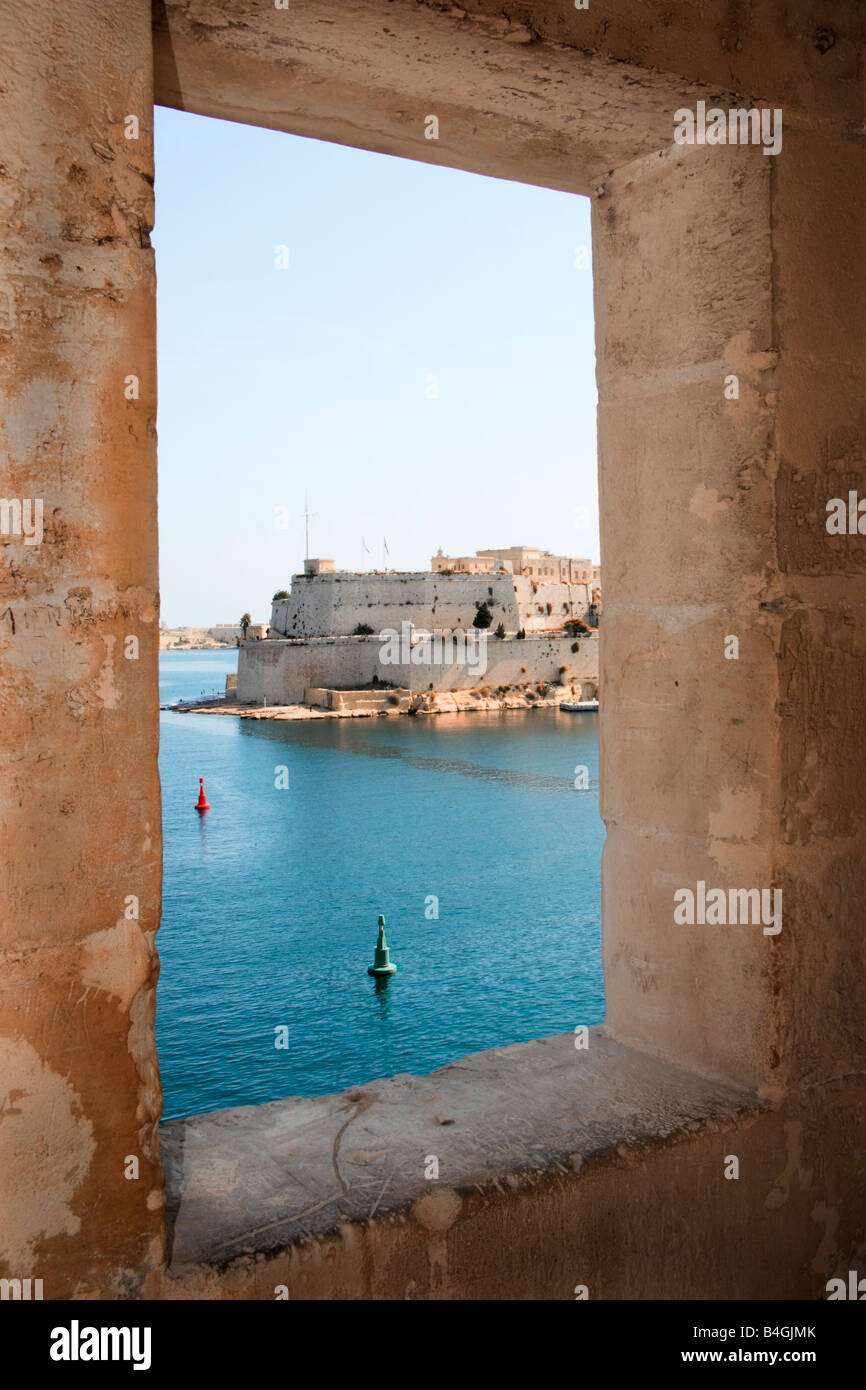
538, 99
173, 86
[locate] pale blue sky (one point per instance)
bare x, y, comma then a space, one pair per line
273, 382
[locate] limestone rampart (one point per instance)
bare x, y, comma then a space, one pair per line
279, 671
335, 604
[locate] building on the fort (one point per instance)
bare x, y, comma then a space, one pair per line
521, 560
464, 564
331, 630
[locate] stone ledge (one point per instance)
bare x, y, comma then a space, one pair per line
260, 1178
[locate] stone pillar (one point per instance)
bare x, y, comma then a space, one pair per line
690, 740
714, 263
79, 1085
819, 242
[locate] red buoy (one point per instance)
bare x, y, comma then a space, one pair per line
202, 804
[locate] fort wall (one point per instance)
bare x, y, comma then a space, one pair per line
334, 604
279, 671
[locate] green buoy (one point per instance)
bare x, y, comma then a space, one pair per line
381, 962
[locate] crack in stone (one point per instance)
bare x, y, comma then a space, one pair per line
363, 1103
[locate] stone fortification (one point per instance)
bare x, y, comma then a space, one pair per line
334, 604
279, 671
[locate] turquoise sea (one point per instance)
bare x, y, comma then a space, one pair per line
467, 832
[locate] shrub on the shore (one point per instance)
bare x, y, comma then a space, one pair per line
575, 626
521, 634
500, 630
364, 630
281, 593
483, 618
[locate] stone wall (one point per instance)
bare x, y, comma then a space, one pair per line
279, 671
80, 814
359, 702
563, 601
333, 605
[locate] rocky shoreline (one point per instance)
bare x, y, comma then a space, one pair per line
430, 702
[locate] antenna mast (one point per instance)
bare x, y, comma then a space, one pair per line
307, 515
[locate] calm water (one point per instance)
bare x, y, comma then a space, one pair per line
270, 900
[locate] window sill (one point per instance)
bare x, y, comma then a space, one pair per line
257, 1179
